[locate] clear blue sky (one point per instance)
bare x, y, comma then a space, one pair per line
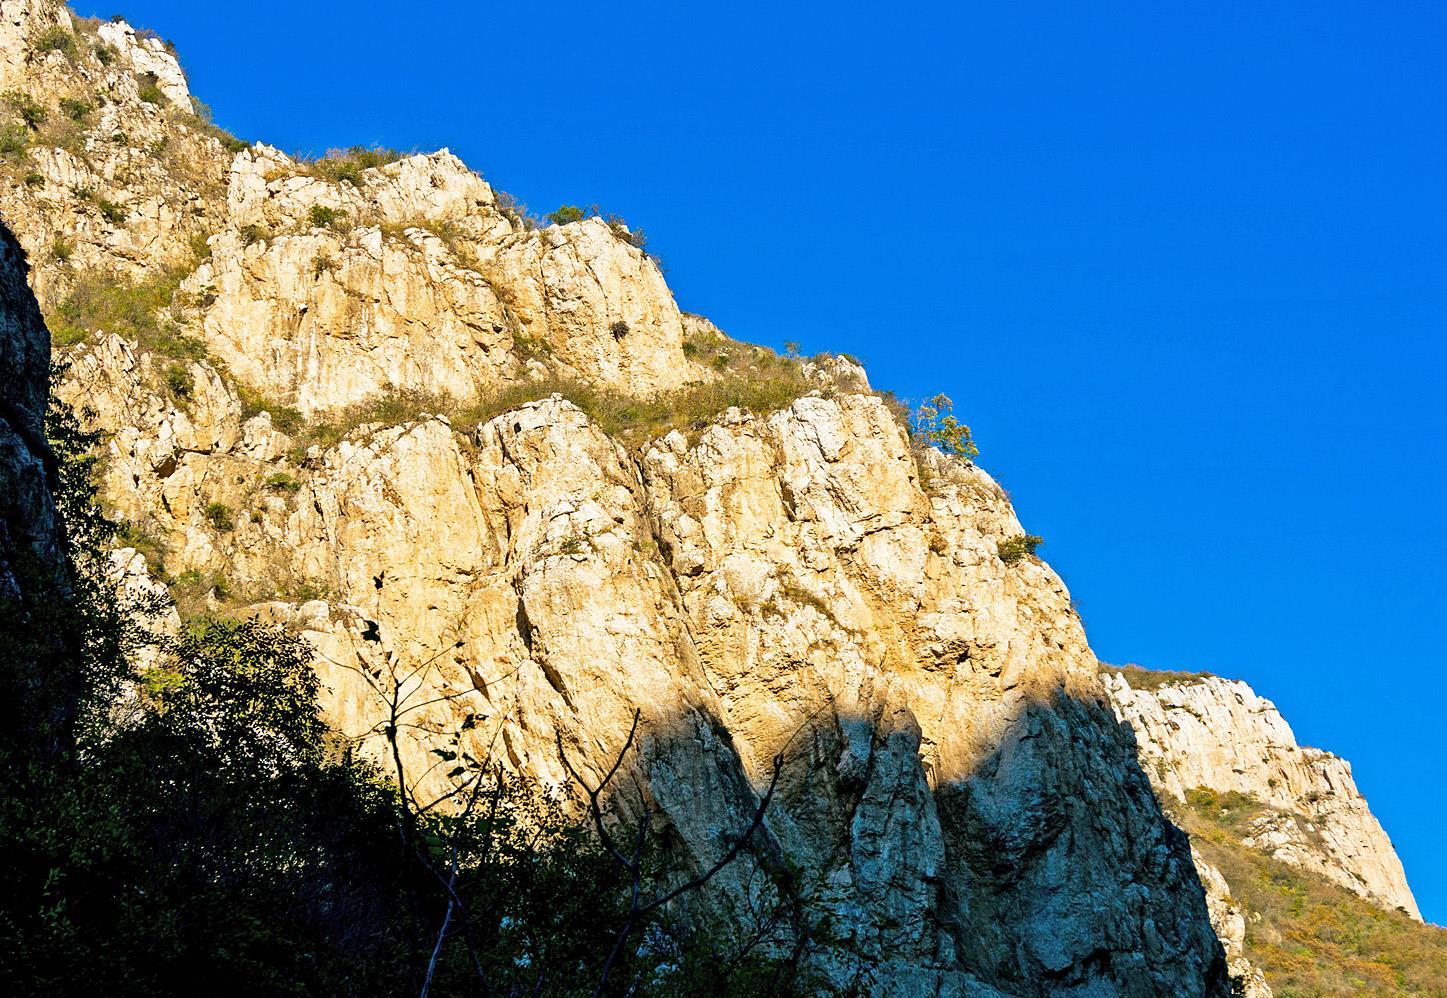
1182, 266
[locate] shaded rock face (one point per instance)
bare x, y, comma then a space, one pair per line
1220, 734
36, 684
29, 529
958, 810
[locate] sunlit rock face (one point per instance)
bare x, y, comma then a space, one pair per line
1220, 734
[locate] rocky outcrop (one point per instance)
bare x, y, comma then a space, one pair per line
1219, 734
410, 277
955, 791
150, 58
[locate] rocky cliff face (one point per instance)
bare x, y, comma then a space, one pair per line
1219, 734
328, 389
28, 528
35, 581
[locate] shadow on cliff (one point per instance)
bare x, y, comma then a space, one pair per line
1048, 868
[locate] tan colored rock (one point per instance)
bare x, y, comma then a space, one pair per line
148, 56
154, 164
1220, 734
781, 585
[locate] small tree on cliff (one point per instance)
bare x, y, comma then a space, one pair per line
934, 424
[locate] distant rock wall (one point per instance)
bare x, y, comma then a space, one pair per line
1220, 734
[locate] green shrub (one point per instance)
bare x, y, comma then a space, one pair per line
106, 54
347, 165
232, 144
219, 515
179, 381
26, 108
635, 420
574, 543
305, 592
251, 233
636, 238
283, 417
282, 482
149, 90
119, 138
13, 139
1141, 678
149, 545
61, 250
323, 216
33, 179
75, 110
1017, 548
934, 425
111, 212
170, 341
515, 211
104, 301
565, 214
56, 39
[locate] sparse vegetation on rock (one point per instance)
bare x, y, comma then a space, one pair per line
1015, 549
1311, 938
566, 214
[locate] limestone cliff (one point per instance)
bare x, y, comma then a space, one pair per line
493, 462
1219, 734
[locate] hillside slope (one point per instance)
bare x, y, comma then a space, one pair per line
1303, 882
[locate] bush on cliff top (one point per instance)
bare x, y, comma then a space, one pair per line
347, 165
1142, 678
55, 39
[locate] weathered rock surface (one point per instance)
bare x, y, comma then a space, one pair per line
964, 807
1220, 734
